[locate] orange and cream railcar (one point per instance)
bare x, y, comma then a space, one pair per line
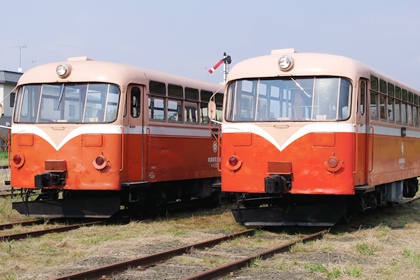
97, 136
311, 138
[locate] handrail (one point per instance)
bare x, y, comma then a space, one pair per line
148, 149
357, 148
122, 148
373, 139
218, 151
9, 147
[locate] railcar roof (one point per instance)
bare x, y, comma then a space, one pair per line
307, 64
107, 72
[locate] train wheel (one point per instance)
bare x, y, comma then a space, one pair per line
373, 202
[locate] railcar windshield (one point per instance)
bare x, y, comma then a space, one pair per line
67, 103
289, 99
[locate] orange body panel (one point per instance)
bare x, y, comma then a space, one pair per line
176, 158
393, 158
80, 174
309, 175
171, 158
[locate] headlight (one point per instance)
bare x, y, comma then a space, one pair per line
285, 63
63, 70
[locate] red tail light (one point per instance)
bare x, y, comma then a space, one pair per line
233, 161
17, 159
333, 162
99, 161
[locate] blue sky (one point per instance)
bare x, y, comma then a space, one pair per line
189, 37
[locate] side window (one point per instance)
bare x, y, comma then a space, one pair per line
410, 115
191, 109
362, 97
398, 111
175, 91
390, 109
398, 92
374, 105
374, 82
382, 104
191, 105
135, 102
12, 99
157, 104
219, 106
175, 110
157, 108
204, 97
157, 88
404, 112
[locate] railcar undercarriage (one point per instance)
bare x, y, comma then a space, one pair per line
317, 210
135, 198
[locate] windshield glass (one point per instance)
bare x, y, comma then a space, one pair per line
289, 99
70, 103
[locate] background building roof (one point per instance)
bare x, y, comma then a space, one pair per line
9, 77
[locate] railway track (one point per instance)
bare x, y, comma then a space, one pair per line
148, 261
38, 233
26, 223
142, 263
108, 271
224, 270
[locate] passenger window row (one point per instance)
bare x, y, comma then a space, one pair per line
174, 103
393, 104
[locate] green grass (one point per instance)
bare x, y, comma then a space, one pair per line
4, 157
366, 249
330, 273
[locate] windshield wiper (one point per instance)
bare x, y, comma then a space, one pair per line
300, 86
60, 98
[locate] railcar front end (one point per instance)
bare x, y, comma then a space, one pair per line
91, 138
299, 146
298, 143
66, 141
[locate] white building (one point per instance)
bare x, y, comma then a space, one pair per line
8, 81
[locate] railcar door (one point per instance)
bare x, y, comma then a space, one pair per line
363, 131
133, 125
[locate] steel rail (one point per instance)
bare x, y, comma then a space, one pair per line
150, 260
409, 201
224, 270
26, 223
37, 233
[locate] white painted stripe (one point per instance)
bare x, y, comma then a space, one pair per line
391, 131
85, 129
318, 127
168, 131
110, 129
159, 130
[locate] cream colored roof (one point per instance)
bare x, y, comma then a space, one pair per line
307, 64
86, 70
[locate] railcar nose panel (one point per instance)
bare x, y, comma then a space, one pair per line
309, 162
48, 157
